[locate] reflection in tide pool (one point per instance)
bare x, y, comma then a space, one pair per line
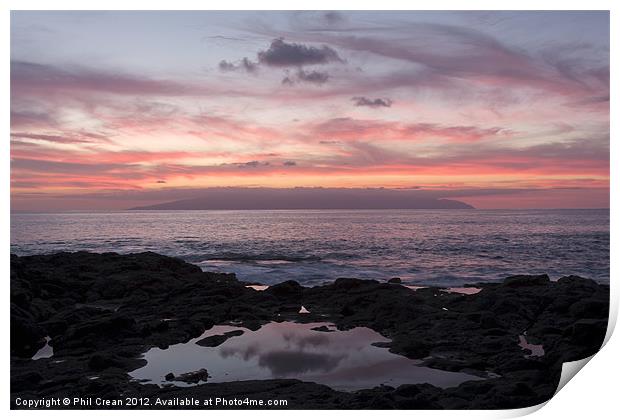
535, 350
44, 352
343, 360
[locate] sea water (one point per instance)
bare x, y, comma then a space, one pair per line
436, 247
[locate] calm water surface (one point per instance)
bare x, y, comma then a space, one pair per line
442, 247
343, 360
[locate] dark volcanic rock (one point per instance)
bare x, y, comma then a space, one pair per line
216, 340
526, 281
103, 311
288, 289
585, 331
103, 361
192, 377
26, 334
322, 328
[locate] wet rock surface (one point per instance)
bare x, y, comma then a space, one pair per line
103, 311
190, 377
216, 340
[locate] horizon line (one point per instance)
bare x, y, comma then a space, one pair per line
300, 209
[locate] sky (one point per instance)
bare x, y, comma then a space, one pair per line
111, 110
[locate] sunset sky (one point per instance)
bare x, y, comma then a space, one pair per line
496, 109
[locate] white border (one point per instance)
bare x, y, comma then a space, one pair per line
591, 395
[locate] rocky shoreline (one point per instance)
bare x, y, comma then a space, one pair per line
101, 312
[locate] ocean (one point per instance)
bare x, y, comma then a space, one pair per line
426, 247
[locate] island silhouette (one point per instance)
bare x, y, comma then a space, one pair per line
310, 199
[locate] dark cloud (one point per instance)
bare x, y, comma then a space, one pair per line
372, 103
315, 77
333, 18
31, 119
292, 362
244, 64
248, 65
303, 76
65, 138
326, 21
224, 38
290, 163
282, 54
250, 164
226, 66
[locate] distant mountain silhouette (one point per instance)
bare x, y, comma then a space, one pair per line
310, 198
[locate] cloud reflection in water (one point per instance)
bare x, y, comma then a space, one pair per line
343, 360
